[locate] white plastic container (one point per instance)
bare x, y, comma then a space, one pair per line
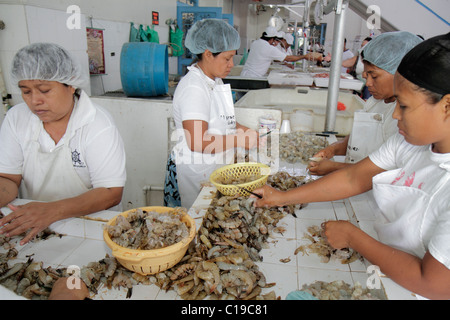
302, 120
285, 126
268, 124
351, 84
290, 78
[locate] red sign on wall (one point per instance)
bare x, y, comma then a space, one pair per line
155, 18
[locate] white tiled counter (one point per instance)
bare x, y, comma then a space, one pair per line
83, 243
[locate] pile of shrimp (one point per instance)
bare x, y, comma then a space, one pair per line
320, 246
340, 290
299, 147
220, 264
28, 279
146, 230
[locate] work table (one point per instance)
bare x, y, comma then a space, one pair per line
83, 243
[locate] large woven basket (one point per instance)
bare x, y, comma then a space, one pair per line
240, 171
147, 262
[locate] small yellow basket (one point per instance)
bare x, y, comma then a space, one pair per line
239, 170
147, 262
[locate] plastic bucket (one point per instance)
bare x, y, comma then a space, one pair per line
144, 69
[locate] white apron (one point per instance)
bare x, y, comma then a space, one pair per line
371, 128
402, 216
367, 132
222, 121
48, 173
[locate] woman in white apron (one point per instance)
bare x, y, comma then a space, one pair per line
373, 125
66, 150
410, 177
203, 109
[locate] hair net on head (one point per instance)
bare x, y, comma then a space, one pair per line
46, 61
388, 49
427, 65
214, 35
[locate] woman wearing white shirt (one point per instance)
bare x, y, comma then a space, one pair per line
264, 51
66, 150
203, 109
410, 177
373, 125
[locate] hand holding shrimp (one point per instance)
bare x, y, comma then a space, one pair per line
32, 217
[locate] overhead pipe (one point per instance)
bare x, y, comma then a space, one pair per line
336, 64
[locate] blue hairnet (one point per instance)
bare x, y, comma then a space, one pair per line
47, 61
216, 35
388, 49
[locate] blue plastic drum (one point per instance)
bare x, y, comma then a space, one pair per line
144, 69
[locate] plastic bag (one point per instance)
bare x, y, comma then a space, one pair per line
176, 41
152, 35
134, 33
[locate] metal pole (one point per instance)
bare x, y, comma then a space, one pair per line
336, 64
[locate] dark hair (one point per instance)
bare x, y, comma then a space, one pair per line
432, 97
367, 39
200, 55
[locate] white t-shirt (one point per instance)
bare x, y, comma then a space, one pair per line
192, 101
418, 167
261, 55
98, 154
347, 54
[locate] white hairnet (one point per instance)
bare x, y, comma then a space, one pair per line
289, 38
388, 49
216, 35
47, 61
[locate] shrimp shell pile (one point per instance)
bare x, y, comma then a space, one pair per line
340, 290
146, 230
321, 247
299, 147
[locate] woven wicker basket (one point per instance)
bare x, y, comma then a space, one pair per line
239, 171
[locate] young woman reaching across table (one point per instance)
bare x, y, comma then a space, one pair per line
410, 178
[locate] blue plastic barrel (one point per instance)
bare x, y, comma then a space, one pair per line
144, 69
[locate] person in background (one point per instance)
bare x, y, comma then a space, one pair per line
410, 178
65, 150
356, 68
346, 55
373, 125
263, 52
285, 41
203, 109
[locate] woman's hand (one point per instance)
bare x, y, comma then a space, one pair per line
61, 290
324, 167
270, 197
338, 233
32, 217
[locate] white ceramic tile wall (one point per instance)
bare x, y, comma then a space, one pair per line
84, 243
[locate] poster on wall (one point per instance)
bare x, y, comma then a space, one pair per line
95, 48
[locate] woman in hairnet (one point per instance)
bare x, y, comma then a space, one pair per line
373, 125
264, 51
203, 109
410, 178
66, 149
